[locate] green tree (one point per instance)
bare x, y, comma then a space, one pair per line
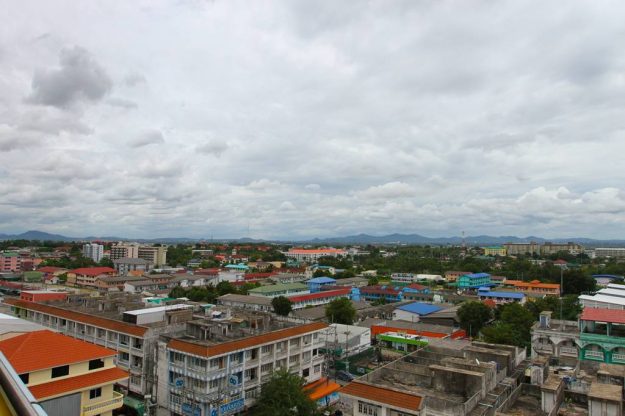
281, 305
283, 395
473, 316
341, 311
373, 280
178, 292
106, 262
501, 333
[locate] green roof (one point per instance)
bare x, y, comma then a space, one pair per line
281, 287
9, 254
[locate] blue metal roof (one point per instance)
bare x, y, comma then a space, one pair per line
607, 276
420, 308
322, 279
477, 275
512, 295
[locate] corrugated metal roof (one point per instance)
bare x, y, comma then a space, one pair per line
420, 308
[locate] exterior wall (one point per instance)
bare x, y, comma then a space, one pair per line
10, 263
238, 374
133, 352
401, 315
93, 251
63, 406
598, 407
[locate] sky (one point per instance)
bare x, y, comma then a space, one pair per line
300, 119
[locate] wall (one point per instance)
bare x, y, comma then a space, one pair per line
63, 406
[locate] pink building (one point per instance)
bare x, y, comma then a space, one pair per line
10, 262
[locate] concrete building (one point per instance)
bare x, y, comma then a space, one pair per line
515, 249
495, 251
610, 252
86, 276
121, 250
534, 288
442, 378
315, 285
453, 275
93, 251
64, 375
10, 262
220, 366
346, 340
319, 298
602, 335
555, 338
126, 265
155, 255
312, 255
474, 281
548, 249
254, 303
283, 289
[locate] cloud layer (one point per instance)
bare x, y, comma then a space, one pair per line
291, 120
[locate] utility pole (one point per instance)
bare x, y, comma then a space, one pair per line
561, 292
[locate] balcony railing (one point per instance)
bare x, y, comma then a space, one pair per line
618, 357
104, 405
598, 355
568, 350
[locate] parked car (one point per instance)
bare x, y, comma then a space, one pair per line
344, 375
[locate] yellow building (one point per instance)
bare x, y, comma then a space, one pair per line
67, 377
494, 251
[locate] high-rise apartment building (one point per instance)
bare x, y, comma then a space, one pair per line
93, 251
121, 250
156, 255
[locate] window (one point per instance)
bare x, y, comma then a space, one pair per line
265, 368
315, 352
124, 356
317, 368
266, 349
368, 409
25, 377
60, 371
305, 372
95, 364
94, 393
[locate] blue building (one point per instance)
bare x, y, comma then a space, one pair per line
484, 293
474, 281
314, 285
412, 311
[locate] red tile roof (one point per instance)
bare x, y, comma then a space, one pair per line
615, 316
382, 395
85, 318
39, 350
316, 251
320, 295
78, 383
92, 271
388, 290
212, 350
49, 269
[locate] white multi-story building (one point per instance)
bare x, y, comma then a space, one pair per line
313, 255
211, 376
610, 252
93, 251
157, 255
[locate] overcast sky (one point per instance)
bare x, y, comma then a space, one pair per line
297, 119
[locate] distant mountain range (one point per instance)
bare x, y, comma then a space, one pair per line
479, 240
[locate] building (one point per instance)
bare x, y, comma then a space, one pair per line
315, 285
428, 331
221, 369
610, 297
377, 292
474, 281
121, 250
10, 327
64, 375
312, 255
15, 399
400, 342
346, 340
86, 276
500, 298
603, 280
155, 255
42, 295
610, 252
318, 298
125, 265
555, 338
10, 262
602, 335
93, 251
281, 289
495, 251
410, 278
548, 249
452, 275
323, 392
534, 288
412, 311
441, 378
515, 249
254, 303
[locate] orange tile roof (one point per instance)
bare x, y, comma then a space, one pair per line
111, 324
382, 395
212, 350
320, 388
532, 284
78, 383
39, 350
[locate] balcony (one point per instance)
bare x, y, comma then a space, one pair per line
103, 406
568, 351
594, 355
601, 338
618, 358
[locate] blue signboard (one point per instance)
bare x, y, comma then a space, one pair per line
189, 409
229, 407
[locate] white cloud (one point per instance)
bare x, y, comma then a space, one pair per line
311, 121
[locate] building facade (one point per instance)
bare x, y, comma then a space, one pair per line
515, 249
93, 251
602, 335
66, 376
474, 281
312, 255
121, 250
155, 255
494, 251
